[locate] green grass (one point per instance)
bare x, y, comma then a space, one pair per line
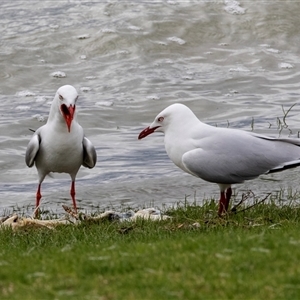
249, 255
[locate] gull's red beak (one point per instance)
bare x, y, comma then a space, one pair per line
146, 132
68, 113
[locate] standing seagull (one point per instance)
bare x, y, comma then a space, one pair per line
60, 145
221, 155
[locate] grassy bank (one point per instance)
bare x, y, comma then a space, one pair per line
249, 255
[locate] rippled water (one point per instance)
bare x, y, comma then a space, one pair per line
233, 63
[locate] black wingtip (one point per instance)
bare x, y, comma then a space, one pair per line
285, 167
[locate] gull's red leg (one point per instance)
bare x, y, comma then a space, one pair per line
222, 204
37, 202
38, 196
72, 193
228, 196
224, 201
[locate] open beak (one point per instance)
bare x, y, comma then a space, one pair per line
68, 113
146, 132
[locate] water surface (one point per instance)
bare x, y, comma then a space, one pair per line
233, 63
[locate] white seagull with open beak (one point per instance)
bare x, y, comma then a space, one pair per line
221, 155
60, 145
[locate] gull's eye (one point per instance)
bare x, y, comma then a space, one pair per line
61, 97
160, 119
76, 98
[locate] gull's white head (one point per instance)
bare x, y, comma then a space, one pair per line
174, 115
65, 102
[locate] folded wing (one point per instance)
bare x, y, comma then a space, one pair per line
32, 150
89, 154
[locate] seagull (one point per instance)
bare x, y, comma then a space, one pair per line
221, 155
60, 145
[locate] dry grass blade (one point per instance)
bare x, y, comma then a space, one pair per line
255, 204
70, 212
245, 197
3, 219
125, 230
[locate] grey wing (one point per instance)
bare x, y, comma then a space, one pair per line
217, 169
32, 150
228, 168
89, 154
232, 156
